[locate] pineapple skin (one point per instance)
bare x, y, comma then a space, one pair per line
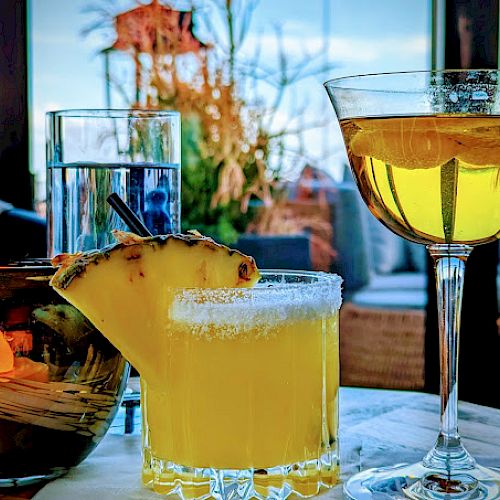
71, 266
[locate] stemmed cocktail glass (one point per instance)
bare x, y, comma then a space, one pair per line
424, 148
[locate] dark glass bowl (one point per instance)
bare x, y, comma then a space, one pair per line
61, 381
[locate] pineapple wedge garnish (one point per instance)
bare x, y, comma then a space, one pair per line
126, 289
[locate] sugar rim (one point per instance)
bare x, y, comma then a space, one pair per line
322, 286
321, 280
232, 311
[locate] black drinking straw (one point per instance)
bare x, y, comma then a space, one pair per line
123, 210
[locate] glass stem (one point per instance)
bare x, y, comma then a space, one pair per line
449, 263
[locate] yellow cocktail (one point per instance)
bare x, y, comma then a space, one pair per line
424, 147
431, 179
239, 369
250, 384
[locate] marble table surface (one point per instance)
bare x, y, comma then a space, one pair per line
377, 427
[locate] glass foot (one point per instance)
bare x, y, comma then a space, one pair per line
417, 482
303, 479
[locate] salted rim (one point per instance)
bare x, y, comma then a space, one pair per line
326, 286
324, 279
236, 310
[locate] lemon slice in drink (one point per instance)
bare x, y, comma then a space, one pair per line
126, 289
405, 148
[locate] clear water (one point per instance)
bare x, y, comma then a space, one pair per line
79, 218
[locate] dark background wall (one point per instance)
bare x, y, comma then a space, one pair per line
15, 180
470, 41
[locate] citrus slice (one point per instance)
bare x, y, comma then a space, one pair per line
425, 142
395, 124
405, 148
126, 289
481, 157
479, 151
443, 123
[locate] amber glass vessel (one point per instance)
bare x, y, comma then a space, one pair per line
61, 381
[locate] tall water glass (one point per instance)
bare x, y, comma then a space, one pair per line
92, 153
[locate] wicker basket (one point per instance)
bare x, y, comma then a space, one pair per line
382, 348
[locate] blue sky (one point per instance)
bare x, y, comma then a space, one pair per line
364, 36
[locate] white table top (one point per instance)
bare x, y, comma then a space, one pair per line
377, 428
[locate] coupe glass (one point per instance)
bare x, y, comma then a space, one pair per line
424, 148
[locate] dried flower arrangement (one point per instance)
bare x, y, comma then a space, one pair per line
308, 212
227, 141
